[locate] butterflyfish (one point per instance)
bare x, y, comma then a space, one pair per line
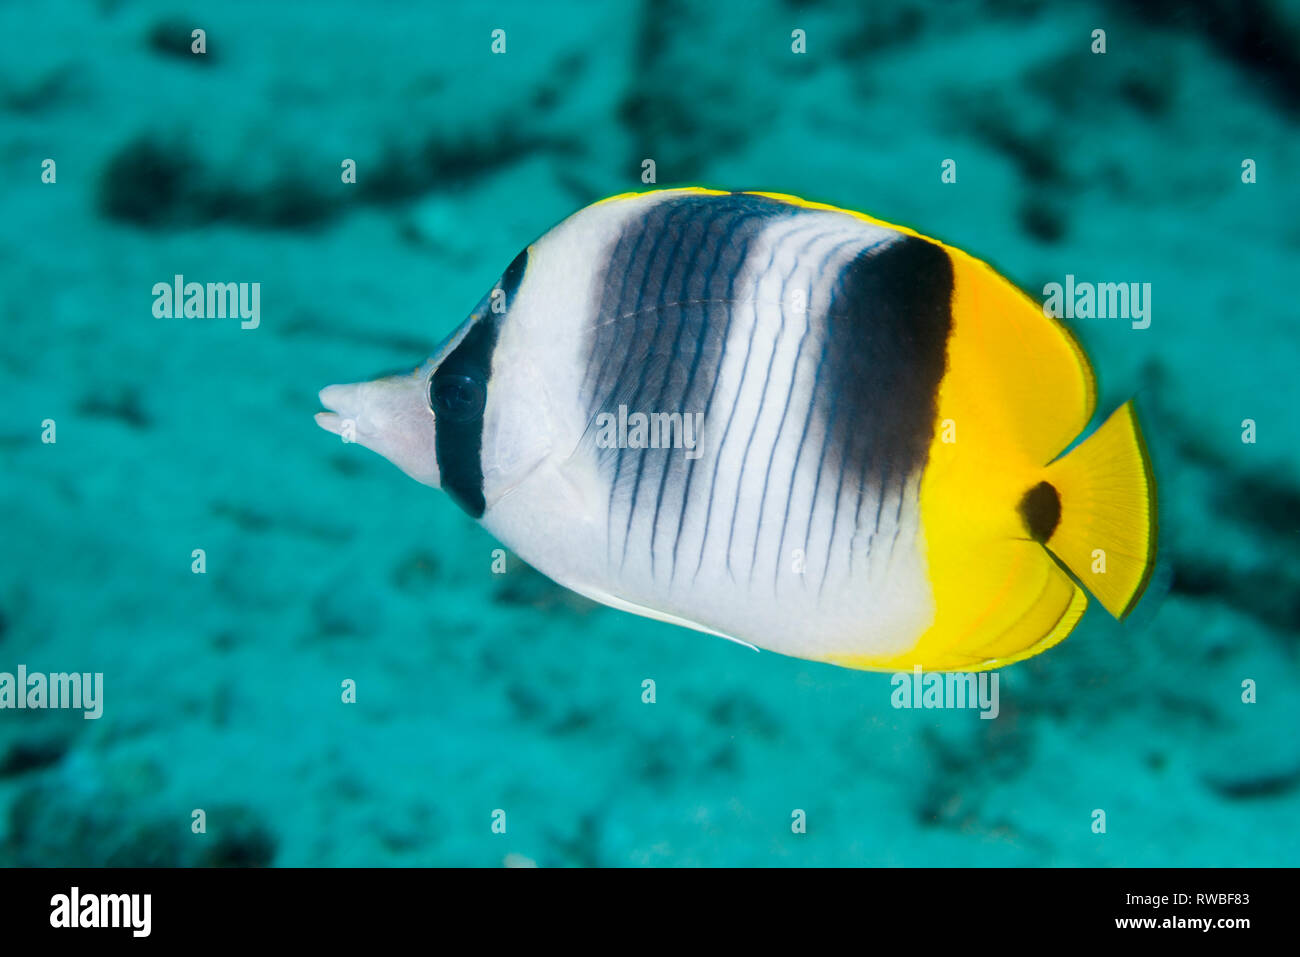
791, 425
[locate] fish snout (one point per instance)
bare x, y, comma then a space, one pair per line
390, 416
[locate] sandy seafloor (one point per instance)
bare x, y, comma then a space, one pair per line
479, 691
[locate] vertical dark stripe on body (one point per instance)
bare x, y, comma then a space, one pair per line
459, 444
630, 381
671, 308
663, 303
890, 319
719, 251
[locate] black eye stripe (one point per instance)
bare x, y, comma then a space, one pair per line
458, 397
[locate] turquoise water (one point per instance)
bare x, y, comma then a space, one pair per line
479, 692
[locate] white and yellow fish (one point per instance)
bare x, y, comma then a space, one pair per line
874, 480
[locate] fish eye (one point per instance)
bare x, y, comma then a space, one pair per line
456, 398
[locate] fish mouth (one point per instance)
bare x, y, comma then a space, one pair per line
341, 400
390, 416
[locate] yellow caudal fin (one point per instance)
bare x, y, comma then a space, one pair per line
1105, 527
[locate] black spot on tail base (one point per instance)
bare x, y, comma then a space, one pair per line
1041, 511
